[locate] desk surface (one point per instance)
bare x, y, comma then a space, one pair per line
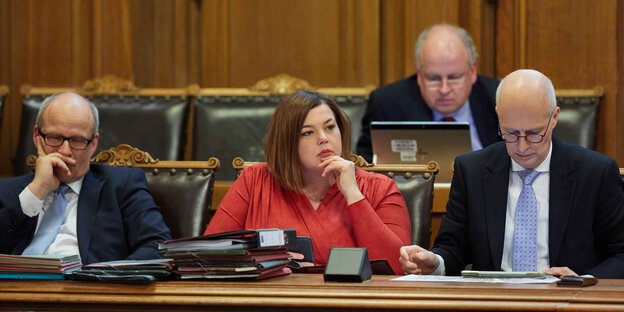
306, 292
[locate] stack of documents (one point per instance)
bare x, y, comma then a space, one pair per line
134, 271
37, 267
246, 254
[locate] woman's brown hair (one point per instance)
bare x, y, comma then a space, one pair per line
282, 141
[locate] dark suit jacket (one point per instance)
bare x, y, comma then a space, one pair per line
402, 101
586, 212
117, 217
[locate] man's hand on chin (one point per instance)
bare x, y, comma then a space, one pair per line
48, 169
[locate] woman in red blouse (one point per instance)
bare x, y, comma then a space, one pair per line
308, 184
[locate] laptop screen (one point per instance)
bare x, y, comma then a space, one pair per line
419, 142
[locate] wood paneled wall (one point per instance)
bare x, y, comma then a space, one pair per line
402, 22
228, 43
575, 43
164, 43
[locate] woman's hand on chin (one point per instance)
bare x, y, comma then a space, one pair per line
343, 172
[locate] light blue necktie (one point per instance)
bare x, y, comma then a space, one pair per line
50, 224
525, 229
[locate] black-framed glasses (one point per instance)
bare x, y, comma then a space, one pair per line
56, 140
531, 138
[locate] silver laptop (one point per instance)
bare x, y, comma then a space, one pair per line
396, 142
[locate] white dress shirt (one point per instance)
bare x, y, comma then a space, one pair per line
464, 114
541, 187
66, 241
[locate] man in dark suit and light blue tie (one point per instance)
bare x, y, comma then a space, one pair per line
70, 206
445, 87
532, 202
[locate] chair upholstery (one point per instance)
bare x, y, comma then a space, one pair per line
154, 119
227, 126
4, 90
622, 173
415, 182
182, 189
578, 116
232, 122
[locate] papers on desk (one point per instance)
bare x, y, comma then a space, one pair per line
37, 266
246, 254
125, 271
233, 240
460, 279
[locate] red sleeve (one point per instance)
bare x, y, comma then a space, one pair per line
380, 221
232, 211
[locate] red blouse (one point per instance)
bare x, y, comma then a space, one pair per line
379, 222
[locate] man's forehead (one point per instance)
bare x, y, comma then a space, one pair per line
66, 116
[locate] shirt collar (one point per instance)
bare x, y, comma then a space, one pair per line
76, 185
462, 114
543, 167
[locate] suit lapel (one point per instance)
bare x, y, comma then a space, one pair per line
88, 204
562, 185
495, 186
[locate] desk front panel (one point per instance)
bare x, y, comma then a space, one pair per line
305, 292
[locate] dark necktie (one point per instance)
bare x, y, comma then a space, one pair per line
448, 119
50, 224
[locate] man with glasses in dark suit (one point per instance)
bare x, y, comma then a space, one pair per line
70, 206
532, 202
446, 87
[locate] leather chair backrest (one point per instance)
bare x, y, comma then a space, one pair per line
415, 182
622, 173
182, 189
354, 107
230, 126
578, 116
232, 122
156, 123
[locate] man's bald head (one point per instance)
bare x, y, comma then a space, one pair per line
72, 101
519, 87
447, 38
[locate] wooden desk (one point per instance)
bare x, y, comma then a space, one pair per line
306, 292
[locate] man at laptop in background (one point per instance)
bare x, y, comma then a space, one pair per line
70, 206
530, 203
445, 87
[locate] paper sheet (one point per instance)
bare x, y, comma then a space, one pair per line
459, 279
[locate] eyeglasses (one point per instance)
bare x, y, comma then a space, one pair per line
55, 140
435, 82
531, 138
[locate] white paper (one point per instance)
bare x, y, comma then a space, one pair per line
459, 279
